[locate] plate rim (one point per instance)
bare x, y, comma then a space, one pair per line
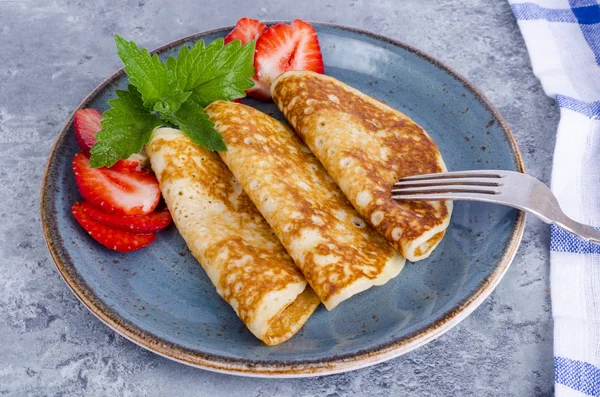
275, 368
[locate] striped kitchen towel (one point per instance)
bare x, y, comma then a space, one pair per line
563, 40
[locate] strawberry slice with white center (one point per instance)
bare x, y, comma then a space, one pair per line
247, 29
87, 123
149, 223
286, 47
118, 192
109, 237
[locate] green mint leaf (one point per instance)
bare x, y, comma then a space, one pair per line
168, 105
146, 72
195, 124
127, 126
214, 72
172, 93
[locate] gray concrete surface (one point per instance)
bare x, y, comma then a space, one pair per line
52, 53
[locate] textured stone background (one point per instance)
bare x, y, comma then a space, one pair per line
52, 53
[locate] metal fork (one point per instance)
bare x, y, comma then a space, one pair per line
500, 187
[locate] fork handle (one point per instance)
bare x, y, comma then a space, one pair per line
584, 231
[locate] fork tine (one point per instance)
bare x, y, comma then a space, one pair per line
450, 181
456, 174
445, 189
446, 196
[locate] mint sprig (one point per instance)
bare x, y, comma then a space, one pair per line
214, 71
173, 94
126, 128
146, 72
196, 124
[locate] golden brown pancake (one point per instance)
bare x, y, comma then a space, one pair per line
338, 252
225, 232
366, 146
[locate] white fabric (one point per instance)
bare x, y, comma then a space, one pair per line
563, 40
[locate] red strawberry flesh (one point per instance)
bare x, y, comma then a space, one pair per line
246, 29
286, 47
148, 223
87, 123
127, 166
117, 192
112, 238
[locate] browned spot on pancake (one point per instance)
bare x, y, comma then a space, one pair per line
430, 243
392, 146
296, 196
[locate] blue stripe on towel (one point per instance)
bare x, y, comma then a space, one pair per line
578, 375
589, 109
582, 3
588, 15
531, 11
563, 241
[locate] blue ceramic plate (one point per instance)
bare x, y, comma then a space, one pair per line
160, 298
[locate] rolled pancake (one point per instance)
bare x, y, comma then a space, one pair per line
225, 232
366, 146
337, 251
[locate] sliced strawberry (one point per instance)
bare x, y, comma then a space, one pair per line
285, 47
149, 223
109, 237
246, 29
118, 192
127, 166
260, 90
87, 123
